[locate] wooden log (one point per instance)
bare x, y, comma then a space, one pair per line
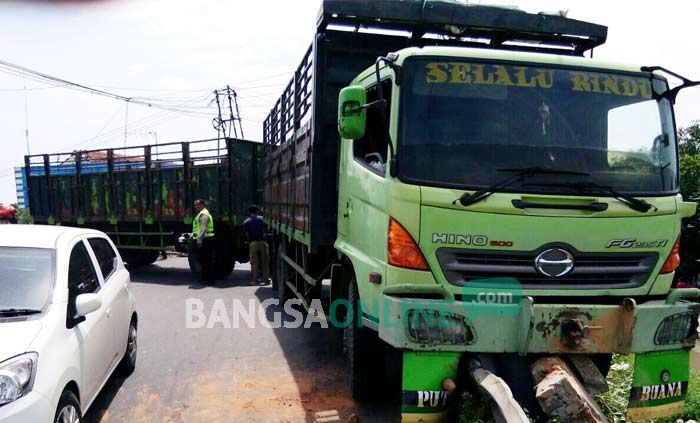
562, 395
592, 378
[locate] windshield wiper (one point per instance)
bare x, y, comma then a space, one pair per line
634, 203
6, 312
520, 174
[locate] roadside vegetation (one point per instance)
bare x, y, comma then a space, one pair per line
689, 150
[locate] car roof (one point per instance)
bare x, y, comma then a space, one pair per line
40, 236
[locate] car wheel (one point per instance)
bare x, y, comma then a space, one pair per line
68, 410
128, 363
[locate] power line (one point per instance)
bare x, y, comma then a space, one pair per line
41, 77
155, 119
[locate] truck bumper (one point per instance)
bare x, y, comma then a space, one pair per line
528, 327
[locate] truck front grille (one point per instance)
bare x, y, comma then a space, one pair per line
464, 267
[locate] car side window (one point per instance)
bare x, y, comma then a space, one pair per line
105, 256
82, 278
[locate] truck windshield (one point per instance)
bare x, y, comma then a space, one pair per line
462, 121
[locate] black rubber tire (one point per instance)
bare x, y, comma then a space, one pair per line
68, 399
223, 269
140, 258
128, 363
223, 260
282, 275
365, 357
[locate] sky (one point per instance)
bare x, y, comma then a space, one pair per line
178, 51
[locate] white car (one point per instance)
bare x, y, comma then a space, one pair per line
67, 321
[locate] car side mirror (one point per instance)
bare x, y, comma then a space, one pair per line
87, 303
352, 113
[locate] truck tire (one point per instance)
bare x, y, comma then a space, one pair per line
140, 258
223, 260
282, 275
364, 352
223, 267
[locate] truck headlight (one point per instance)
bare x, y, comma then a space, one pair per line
676, 328
433, 327
17, 377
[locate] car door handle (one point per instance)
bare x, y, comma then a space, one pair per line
108, 311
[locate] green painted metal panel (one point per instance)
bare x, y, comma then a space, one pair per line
659, 385
422, 391
149, 185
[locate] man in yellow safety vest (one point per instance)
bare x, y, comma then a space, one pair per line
203, 233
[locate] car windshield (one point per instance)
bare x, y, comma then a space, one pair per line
26, 278
462, 123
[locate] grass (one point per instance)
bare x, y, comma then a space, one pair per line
613, 402
473, 410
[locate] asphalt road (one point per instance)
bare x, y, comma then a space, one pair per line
224, 374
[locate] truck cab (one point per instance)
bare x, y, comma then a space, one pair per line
529, 204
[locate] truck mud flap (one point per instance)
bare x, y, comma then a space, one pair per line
424, 399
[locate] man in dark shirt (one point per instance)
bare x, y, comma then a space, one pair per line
254, 227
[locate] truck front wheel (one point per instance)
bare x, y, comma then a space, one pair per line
364, 352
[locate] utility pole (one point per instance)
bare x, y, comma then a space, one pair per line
231, 125
155, 136
26, 118
126, 121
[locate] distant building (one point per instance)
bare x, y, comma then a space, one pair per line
21, 184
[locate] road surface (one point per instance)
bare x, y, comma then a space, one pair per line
224, 375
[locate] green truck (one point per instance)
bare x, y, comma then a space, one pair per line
480, 194
143, 196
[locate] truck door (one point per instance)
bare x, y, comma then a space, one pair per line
362, 198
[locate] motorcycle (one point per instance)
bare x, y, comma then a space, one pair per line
8, 214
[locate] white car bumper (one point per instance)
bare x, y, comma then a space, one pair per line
33, 407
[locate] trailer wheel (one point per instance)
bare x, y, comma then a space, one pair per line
140, 258
223, 260
281, 274
364, 352
223, 267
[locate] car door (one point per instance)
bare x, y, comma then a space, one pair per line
93, 333
115, 295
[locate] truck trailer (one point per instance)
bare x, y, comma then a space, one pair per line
481, 195
142, 196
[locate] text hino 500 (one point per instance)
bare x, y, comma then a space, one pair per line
483, 197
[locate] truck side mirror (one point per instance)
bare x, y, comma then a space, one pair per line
352, 114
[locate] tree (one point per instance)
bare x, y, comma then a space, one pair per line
689, 149
24, 217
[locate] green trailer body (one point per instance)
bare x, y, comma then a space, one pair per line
142, 196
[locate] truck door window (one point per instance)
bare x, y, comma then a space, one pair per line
372, 149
